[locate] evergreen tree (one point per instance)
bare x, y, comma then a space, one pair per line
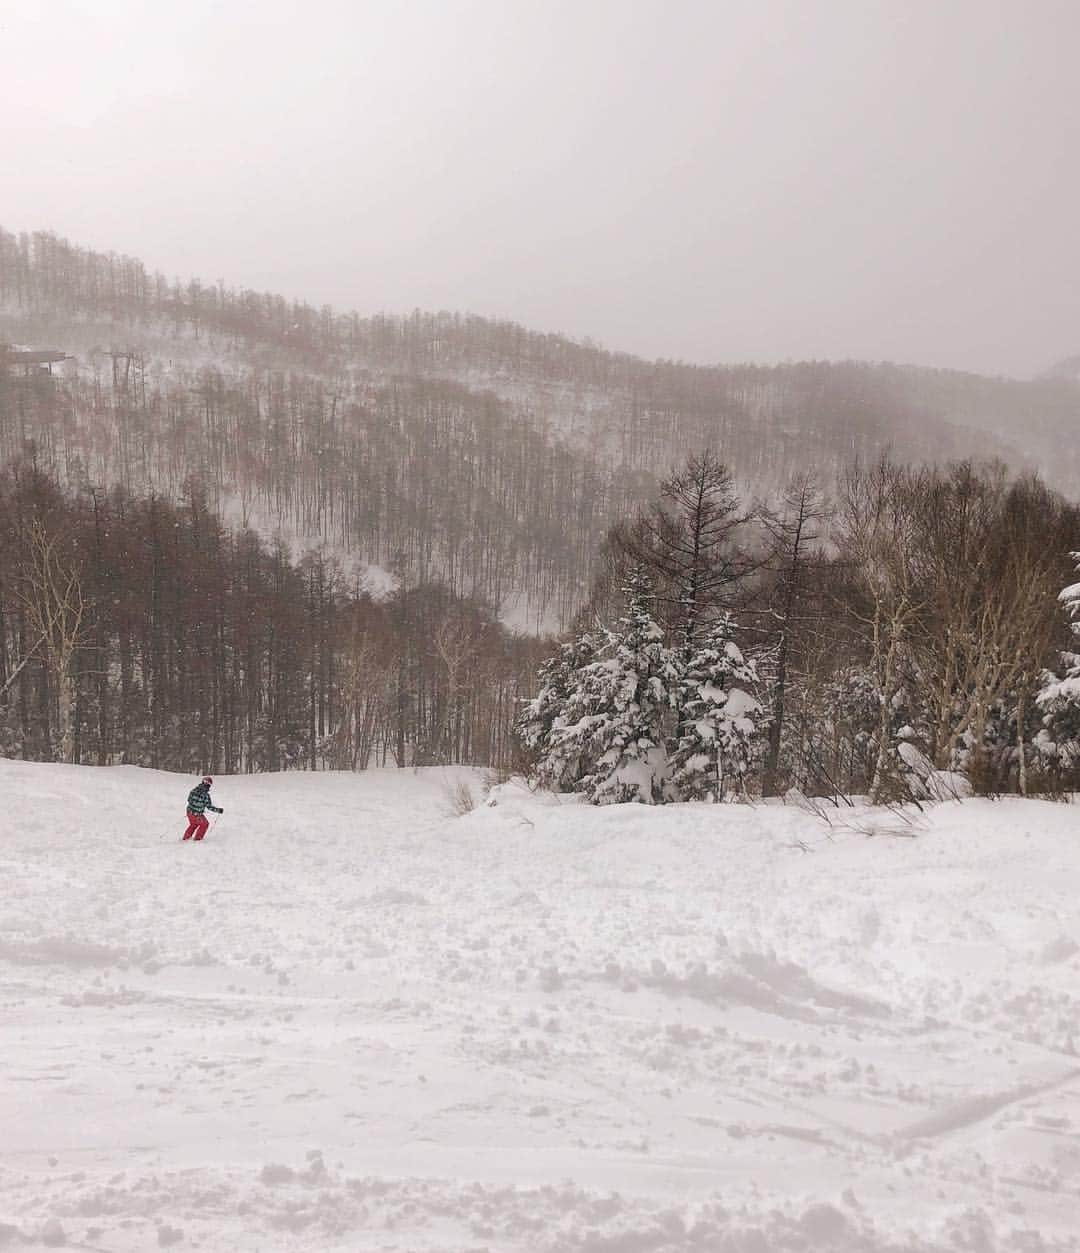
628, 692
554, 725
717, 716
1060, 696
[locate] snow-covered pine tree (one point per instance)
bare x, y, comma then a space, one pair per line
627, 693
717, 716
1060, 696
554, 724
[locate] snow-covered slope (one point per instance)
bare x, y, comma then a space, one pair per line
349, 1020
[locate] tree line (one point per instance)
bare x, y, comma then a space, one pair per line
135, 629
908, 638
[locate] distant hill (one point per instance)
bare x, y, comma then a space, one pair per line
1068, 368
441, 444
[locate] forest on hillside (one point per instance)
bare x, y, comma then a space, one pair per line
136, 630
439, 445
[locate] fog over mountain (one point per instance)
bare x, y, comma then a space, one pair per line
714, 182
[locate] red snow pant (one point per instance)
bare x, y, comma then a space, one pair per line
197, 824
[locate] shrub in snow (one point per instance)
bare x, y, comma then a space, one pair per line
717, 717
829, 736
926, 783
1060, 697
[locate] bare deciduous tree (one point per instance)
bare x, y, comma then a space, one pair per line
795, 534
688, 542
878, 525
50, 593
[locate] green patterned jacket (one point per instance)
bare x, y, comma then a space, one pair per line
199, 800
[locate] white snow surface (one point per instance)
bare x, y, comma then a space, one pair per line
349, 1020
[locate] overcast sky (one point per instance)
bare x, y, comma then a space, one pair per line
711, 180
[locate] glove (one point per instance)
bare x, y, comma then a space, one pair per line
220, 811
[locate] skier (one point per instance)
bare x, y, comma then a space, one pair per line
198, 802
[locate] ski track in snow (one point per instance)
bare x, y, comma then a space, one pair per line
351, 1021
